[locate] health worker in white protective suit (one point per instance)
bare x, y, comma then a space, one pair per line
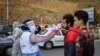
17, 31
29, 40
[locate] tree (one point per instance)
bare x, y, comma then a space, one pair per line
96, 18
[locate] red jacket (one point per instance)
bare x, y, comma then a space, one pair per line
71, 35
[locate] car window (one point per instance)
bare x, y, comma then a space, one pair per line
58, 33
63, 31
43, 31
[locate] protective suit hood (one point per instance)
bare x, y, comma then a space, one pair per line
31, 25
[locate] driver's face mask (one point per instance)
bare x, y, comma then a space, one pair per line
32, 26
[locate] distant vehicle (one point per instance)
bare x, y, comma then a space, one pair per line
6, 46
5, 43
5, 30
57, 40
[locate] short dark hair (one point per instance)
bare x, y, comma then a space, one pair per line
24, 28
69, 19
82, 15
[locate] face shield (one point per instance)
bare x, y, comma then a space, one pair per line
31, 26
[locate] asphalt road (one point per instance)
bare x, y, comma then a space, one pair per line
59, 51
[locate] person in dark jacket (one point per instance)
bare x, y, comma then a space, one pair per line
85, 37
70, 35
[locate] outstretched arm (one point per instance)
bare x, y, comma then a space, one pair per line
45, 37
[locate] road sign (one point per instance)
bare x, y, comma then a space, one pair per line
90, 11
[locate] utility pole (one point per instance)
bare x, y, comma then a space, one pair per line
41, 2
7, 15
41, 14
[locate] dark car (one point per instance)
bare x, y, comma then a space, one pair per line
6, 46
6, 31
5, 43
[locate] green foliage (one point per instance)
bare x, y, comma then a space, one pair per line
96, 17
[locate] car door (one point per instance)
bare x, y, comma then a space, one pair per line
1, 44
58, 39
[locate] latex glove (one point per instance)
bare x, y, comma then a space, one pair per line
58, 26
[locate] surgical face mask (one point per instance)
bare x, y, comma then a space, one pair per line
32, 26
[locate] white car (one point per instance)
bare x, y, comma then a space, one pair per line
57, 40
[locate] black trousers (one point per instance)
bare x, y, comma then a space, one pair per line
69, 49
